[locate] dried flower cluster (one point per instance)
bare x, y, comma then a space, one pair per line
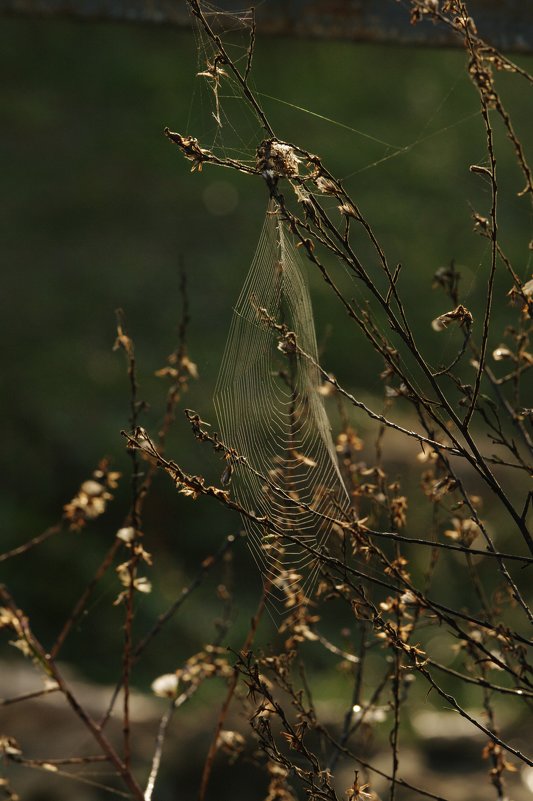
92, 497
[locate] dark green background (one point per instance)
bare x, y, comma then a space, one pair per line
98, 210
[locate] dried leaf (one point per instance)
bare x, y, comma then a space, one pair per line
459, 315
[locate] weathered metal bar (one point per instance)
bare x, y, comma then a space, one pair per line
506, 24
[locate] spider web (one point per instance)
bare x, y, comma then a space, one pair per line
270, 410
294, 459
229, 127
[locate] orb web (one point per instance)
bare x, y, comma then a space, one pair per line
270, 411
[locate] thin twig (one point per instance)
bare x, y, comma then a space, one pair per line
158, 753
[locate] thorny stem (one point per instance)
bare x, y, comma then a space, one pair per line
127, 344
164, 617
464, 714
258, 686
198, 486
394, 734
52, 670
457, 24
180, 376
493, 239
480, 681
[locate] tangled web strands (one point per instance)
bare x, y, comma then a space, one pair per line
270, 411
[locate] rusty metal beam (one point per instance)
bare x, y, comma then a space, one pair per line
506, 24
